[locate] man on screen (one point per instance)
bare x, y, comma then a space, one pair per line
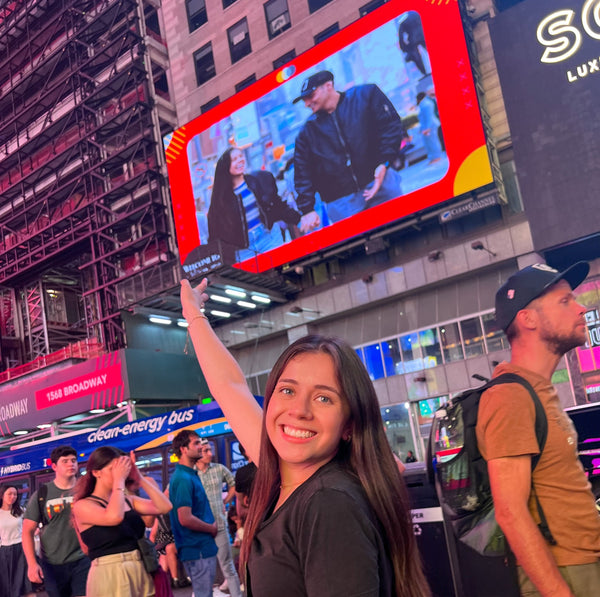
344, 150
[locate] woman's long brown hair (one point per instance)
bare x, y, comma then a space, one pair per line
368, 456
98, 459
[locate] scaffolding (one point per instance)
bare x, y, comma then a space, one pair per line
84, 104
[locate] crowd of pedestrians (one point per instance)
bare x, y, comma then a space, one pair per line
84, 535
321, 507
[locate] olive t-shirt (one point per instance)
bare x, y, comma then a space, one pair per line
505, 428
59, 540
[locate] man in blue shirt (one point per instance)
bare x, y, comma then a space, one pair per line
193, 523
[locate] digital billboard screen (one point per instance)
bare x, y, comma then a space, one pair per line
547, 53
375, 123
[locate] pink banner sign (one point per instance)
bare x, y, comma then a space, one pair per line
92, 383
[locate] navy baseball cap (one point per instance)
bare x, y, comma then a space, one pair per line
312, 83
529, 283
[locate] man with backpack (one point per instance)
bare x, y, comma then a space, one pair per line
543, 321
64, 567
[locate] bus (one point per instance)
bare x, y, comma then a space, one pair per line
27, 466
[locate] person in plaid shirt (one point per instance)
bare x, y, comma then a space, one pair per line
213, 475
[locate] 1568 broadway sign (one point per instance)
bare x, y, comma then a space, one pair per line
562, 33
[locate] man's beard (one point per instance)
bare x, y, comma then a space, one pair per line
560, 344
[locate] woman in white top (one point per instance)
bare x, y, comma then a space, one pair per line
13, 568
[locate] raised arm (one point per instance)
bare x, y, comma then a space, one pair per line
158, 503
88, 512
225, 379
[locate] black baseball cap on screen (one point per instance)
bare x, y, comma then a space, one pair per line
312, 83
529, 283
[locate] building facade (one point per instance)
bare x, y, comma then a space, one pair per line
415, 298
83, 206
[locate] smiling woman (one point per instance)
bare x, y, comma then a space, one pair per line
329, 512
245, 207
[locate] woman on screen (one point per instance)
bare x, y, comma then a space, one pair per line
245, 207
329, 513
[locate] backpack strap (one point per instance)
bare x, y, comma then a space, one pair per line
541, 433
42, 496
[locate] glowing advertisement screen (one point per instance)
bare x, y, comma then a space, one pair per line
375, 123
548, 58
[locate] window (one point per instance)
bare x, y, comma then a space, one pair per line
392, 359
245, 83
204, 63
215, 101
262, 383
396, 420
494, 336
472, 337
360, 355
239, 40
316, 4
451, 343
196, 13
287, 57
370, 6
151, 465
227, 3
373, 361
430, 348
278, 17
332, 29
426, 413
411, 353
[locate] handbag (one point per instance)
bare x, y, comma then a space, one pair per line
162, 584
149, 555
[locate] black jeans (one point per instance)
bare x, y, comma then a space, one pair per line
66, 580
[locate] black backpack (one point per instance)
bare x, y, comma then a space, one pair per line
460, 473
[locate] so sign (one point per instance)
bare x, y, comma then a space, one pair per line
562, 34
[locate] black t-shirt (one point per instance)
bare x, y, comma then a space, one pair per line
324, 541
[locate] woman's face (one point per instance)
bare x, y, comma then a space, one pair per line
9, 497
238, 163
307, 415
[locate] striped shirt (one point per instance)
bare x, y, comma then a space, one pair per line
250, 205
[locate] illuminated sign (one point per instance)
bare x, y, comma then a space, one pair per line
562, 37
101, 380
260, 181
548, 58
96, 383
469, 207
592, 319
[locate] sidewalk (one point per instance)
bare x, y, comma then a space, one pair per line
187, 592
